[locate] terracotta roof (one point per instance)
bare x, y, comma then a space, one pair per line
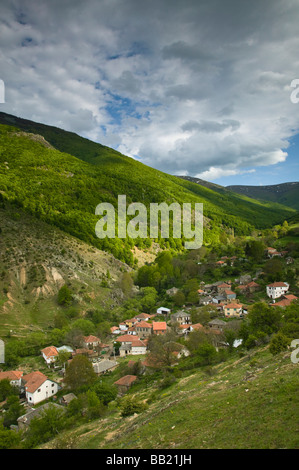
144, 324
277, 284
232, 305
126, 338
224, 284
229, 292
50, 351
34, 380
282, 303
91, 339
159, 325
290, 297
197, 326
11, 375
126, 380
138, 343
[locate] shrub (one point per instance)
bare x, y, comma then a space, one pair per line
130, 405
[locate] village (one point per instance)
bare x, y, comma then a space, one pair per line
132, 338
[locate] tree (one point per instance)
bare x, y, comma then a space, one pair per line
13, 409
9, 439
44, 427
230, 337
161, 349
79, 373
179, 298
255, 249
6, 389
263, 318
278, 343
206, 354
126, 283
105, 392
64, 296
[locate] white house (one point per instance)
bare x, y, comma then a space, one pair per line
14, 377
38, 387
50, 354
277, 289
163, 311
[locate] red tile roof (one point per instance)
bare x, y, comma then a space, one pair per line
159, 325
11, 375
50, 351
91, 339
126, 380
34, 380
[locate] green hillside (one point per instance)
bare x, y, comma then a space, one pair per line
61, 178
246, 402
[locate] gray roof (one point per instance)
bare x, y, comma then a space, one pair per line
35, 413
217, 321
102, 366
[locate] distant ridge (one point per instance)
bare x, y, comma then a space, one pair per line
284, 193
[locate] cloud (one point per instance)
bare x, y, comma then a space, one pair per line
197, 87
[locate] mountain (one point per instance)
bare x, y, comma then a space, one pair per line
60, 178
285, 193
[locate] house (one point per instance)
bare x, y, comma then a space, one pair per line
229, 294
159, 327
134, 346
123, 326
38, 387
222, 287
50, 354
143, 317
181, 317
124, 383
270, 252
206, 300
66, 399
184, 329
106, 365
196, 327
132, 331
218, 299
163, 311
115, 330
277, 289
138, 347
126, 338
249, 287
286, 301
144, 329
217, 324
221, 263
24, 420
14, 377
90, 342
233, 310
84, 352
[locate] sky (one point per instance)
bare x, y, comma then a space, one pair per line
205, 88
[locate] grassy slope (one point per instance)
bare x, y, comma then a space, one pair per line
105, 174
239, 407
36, 259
